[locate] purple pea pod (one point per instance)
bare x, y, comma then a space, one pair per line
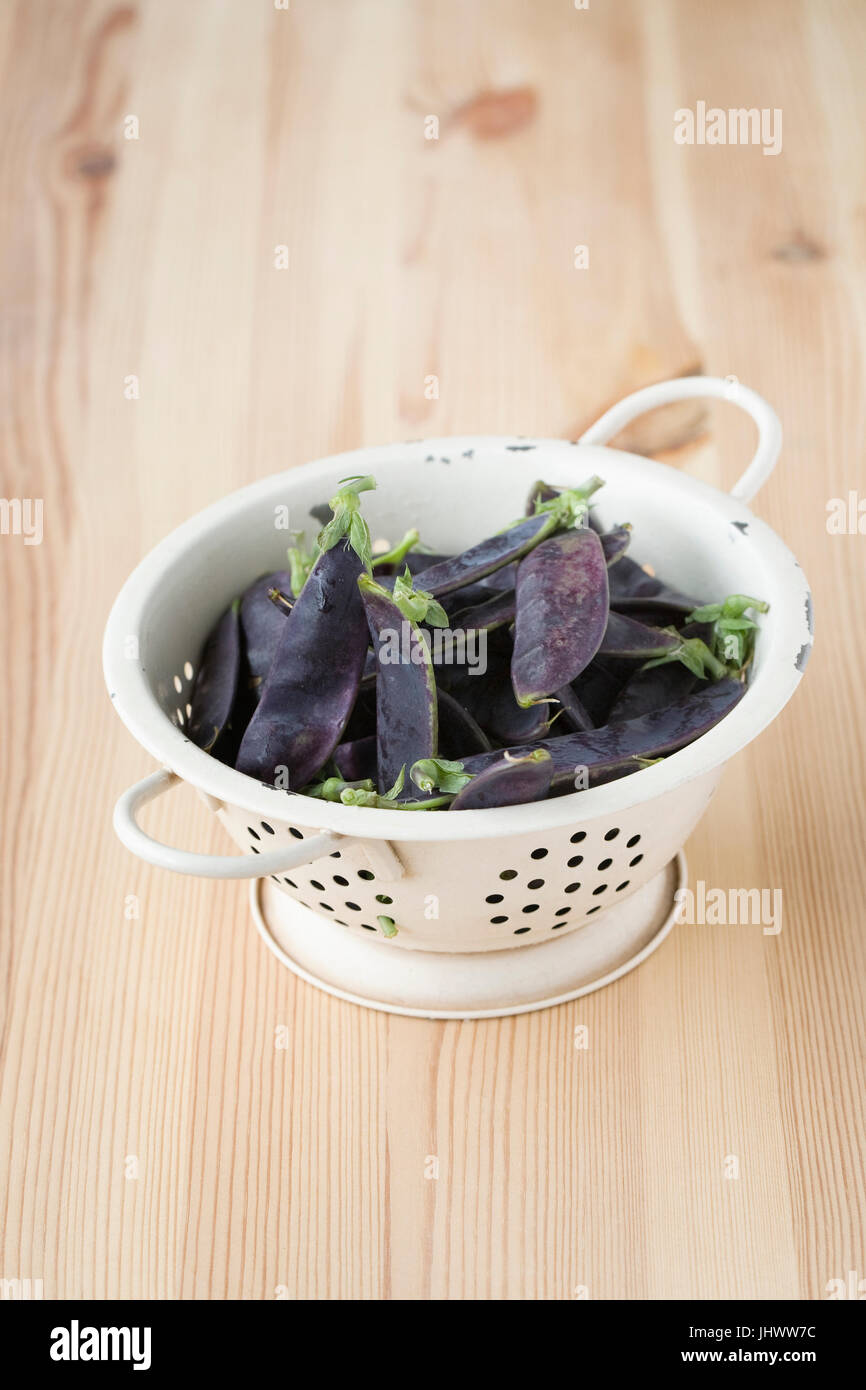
510, 722
420, 560
575, 714
262, 624
500, 580
500, 609
495, 611
469, 596
632, 590
598, 687
313, 681
459, 734
561, 613
407, 723
615, 543
625, 637
362, 721
651, 690
659, 685
511, 544
215, 691
509, 782
356, 760
487, 556
650, 616
612, 750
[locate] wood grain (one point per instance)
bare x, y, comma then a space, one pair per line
300, 1171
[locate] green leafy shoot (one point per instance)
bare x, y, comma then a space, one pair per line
572, 504
388, 925
415, 604
695, 655
348, 522
568, 508
301, 561
332, 788
733, 639
357, 796
399, 551
397, 787
439, 774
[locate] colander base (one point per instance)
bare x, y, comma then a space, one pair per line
458, 985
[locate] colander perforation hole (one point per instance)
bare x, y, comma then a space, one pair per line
254, 833
268, 829
620, 886
591, 910
508, 873
178, 684
496, 920
535, 883
367, 926
343, 882
353, 907
602, 888
326, 906
319, 887
187, 670
295, 832
604, 864
575, 860
519, 931
530, 907
632, 863
539, 854
572, 887
563, 911
383, 898
578, 836
290, 882
612, 834
493, 898
368, 875
253, 848
336, 854
630, 844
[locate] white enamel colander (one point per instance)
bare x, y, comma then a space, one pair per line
581, 884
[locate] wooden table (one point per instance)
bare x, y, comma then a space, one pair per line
153, 357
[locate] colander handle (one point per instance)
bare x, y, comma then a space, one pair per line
181, 861
684, 388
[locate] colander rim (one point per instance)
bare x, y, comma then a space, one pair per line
767, 694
